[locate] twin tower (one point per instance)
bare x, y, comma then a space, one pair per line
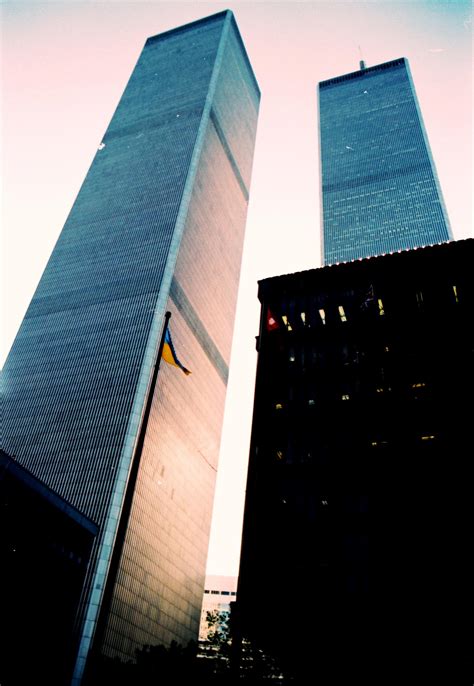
158, 225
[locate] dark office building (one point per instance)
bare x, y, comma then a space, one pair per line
361, 382
157, 225
45, 546
380, 192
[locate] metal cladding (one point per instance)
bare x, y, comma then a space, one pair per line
157, 225
380, 191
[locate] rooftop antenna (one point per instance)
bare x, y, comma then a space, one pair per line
361, 61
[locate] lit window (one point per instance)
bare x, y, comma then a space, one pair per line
303, 317
345, 396
324, 502
421, 384
286, 322
387, 349
279, 454
278, 406
419, 298
311, 401
427, 438
342, 314
381, 309
322, 314
380, 390
455, 291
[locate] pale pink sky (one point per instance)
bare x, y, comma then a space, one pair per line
64, 67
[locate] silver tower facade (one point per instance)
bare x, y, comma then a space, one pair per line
380, 191
157, 225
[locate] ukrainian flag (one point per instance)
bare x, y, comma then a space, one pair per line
169, 354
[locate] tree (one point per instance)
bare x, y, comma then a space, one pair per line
254, 665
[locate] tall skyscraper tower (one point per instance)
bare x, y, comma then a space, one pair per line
157, 225
380, 191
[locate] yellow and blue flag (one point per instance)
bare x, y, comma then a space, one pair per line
169, 354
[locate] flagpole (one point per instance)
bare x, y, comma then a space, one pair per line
127, 502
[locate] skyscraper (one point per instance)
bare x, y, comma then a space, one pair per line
157, 225
380, 191
360, 388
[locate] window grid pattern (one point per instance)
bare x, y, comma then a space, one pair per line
71, 378
161, 577
71, 375
380, 192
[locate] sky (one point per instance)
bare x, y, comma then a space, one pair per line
64, 66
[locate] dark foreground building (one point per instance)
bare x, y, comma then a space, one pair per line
45, 547
157, 225
380, 190
361, 380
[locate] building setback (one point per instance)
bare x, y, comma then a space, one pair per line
380, 191
361, 380
157, 225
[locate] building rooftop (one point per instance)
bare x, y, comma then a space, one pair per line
9, 466
207, 20
375, 262
362, 73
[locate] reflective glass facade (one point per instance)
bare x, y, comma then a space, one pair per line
158, 224
380, 191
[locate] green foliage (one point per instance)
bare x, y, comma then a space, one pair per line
218, 624
255, 667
